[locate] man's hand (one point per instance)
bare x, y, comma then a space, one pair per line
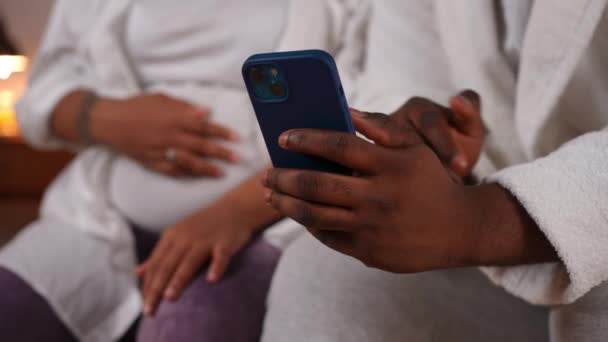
403, 212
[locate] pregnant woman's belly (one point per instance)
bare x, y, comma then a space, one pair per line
155, 201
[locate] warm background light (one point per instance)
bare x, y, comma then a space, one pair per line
8, 121
10, 64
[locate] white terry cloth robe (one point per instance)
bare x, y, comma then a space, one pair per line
96, 295
547, 122
546, 114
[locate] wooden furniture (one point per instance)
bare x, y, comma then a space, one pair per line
24, 175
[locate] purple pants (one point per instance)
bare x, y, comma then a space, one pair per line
231, 310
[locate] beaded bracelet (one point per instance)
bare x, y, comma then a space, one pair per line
83, 118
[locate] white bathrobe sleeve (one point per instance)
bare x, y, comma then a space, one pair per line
59, 68
566, 194
401, 31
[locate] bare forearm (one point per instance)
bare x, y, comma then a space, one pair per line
506, 234
245, 206
64, 119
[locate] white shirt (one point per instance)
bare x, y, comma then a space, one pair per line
515, 16
197, 58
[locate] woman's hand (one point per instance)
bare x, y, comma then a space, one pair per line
209, 236
163, 133
214, 234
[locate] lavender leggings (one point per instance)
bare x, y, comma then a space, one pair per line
232, 310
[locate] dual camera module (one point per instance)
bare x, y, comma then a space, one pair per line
268, 82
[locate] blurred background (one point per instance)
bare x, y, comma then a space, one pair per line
24, 173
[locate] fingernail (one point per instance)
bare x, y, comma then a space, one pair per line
211, 277
266, 178
217, 171
268, 196
234, 136
357, 112
234, 157
466, 102
147, 310
283, 139
170, 293
203, 113
460, 161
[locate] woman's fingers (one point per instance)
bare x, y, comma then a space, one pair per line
219, 263
218, 131
140, 270
190, 263
184, 163
165, 167
161, 267
194, 165
188, 267
205, 147
196, 122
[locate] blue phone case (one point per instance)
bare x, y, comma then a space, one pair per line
313, 98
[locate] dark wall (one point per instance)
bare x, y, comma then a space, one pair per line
25, 21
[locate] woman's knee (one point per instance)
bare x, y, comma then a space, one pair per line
25, 315
230, 310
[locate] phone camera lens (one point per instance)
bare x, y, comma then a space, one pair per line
257, 76
277, 89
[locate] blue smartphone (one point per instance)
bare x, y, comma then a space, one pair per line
297, 89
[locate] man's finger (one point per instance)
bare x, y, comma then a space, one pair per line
342, 242
219, 264
319, 187
434, 128
191, 263
343, 148
384, 130
467, 113
312, 215
473, 97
